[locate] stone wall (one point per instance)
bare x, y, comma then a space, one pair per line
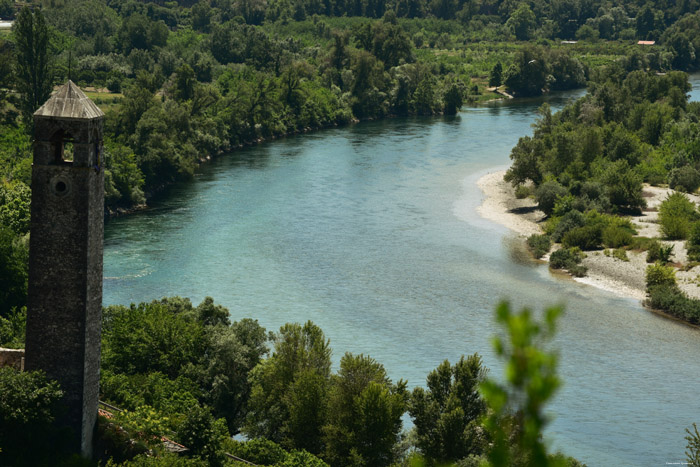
12, 357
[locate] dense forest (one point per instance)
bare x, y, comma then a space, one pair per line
183, 81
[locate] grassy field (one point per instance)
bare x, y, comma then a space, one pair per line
105, 100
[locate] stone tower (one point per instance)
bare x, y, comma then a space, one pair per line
64, 309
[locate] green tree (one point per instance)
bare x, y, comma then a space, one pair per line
527, 76
496, 75
517, 409
185, 83
676, 215
201, 16
204, 435
447, 415
29, 404
233, 352
522, 22
280, 405
150, 337
14, 271
32, 69
692, 450
364, 414
453, 99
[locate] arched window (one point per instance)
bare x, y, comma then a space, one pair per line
62, 146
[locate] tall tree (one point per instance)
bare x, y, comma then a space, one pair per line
447, 414
32, 70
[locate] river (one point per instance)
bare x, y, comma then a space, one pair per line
371, 232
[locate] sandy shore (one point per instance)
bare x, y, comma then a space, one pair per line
625, 278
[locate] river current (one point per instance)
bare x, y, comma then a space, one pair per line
371, 232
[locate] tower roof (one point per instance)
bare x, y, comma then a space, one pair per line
69, 102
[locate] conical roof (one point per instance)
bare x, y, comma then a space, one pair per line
69, 102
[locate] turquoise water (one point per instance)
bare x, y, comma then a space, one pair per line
371, 232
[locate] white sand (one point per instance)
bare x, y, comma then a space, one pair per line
625, 278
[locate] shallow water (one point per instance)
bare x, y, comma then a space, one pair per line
371, 232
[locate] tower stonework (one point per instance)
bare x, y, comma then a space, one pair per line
64, 309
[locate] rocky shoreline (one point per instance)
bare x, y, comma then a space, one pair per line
624, 278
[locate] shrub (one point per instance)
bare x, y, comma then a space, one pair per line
676, 214
658, 252
615, 236
523, 191
684, 178
259, 450
29, 404
569, 259
658, 274
539, 245
564, 204
570, 220
693, 243
547, 195
620, 254
641, 243
586, 237
674, 302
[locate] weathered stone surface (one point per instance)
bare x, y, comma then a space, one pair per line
12, 357
65, 256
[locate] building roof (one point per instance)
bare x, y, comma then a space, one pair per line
69, 102
646, 42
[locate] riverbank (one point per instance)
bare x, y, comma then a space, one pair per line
624, 278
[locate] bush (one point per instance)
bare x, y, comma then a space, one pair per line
260, 451
659, 252
620, 254
615, 236
669, 299
570, 220
693, 243
547, 195
539, 245
569, 259
676, 215
29, 404
523, 191
586, 238
684, 178
658, 274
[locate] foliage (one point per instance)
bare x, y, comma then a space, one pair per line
620, 254
364, 414
34, 76
29, 404
588, 237
539, 245
13, 329
516, 415
144, 423
260, 451
615, 237
569, 259
447, 414
684, 178
658, 252
149, 337
547, 195
14, 271
172, 356
676, 213
693, 243
203, 435
670, 299
658, 274
289, 389
692, 452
